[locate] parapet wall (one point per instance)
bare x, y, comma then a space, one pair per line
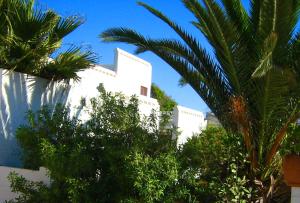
188, 121
20, 93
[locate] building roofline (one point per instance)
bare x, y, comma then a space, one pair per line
131, 56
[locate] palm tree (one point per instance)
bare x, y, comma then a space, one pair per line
31, 37
251, 82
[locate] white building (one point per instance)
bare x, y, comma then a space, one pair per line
21, 92
133, 76
129, 74
188, 121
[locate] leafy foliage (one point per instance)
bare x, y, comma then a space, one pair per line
150, 181
31, 37
112, 159
291, 144
115, 156
35, 191
166, 103
218, 161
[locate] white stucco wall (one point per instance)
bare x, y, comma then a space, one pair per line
126, 75
188, 121
132, 73
295, 194
5, 190
20, 92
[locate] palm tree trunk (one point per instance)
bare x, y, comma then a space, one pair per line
279, 137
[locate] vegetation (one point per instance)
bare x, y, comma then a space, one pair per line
116, 156
166, 103
221, 169
291, 144
251, 82
218, 161
31, 37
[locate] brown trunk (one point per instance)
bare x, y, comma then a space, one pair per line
251, 151
279, 138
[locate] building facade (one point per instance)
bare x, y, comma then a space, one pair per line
129, 75
133, 76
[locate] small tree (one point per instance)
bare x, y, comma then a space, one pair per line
219, 163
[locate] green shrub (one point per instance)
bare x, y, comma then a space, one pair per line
116, 156
166, 103
218, 161
291, 144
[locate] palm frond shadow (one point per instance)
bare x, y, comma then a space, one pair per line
20, 93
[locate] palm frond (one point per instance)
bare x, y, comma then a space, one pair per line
266, 62
287, 18
186, 37
65, 26
66, 65
237, 14
30, 35
215, 26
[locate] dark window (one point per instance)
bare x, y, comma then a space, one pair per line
144, 90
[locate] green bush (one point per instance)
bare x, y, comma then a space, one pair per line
116, 156
291, 144
218, 162
166, 103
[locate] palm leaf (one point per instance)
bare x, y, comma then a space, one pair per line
66, 65
265, 63
30, 36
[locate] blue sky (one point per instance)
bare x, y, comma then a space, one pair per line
104, 14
